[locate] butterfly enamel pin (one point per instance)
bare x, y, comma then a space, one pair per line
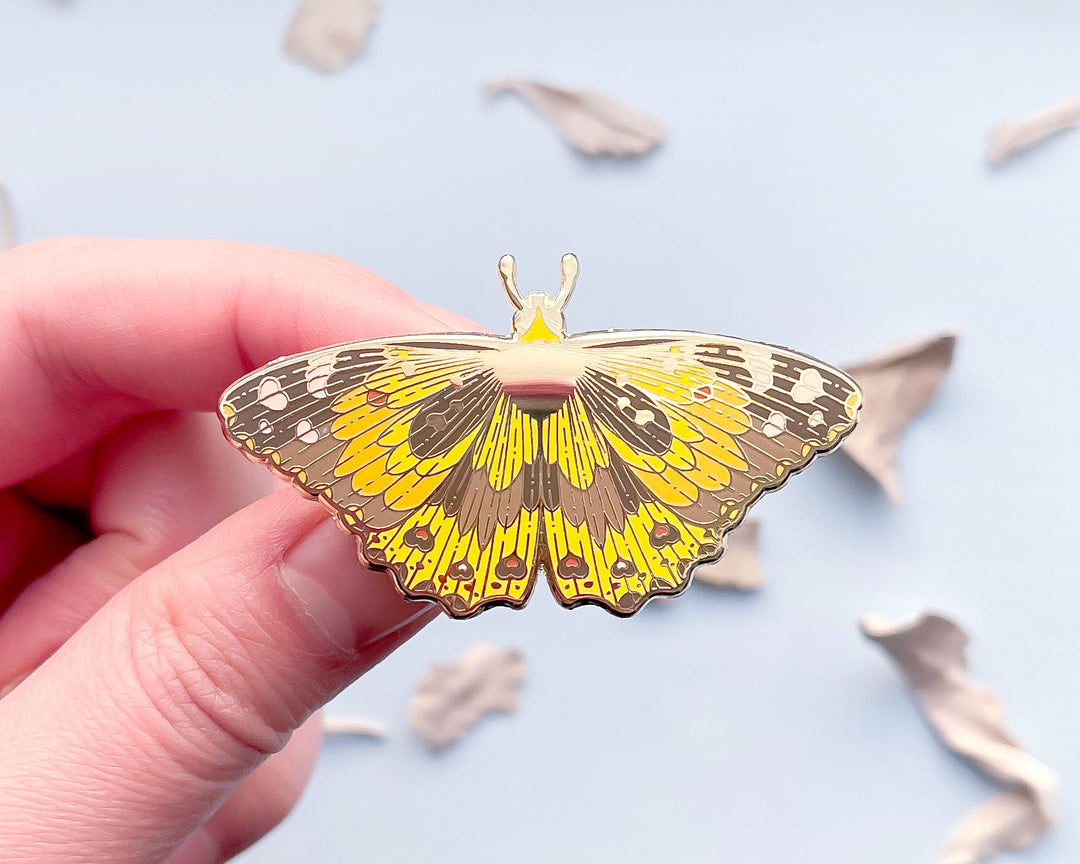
469, 465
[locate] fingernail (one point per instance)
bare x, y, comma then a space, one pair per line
349, 603
423, 610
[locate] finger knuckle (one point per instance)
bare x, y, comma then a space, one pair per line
197, 693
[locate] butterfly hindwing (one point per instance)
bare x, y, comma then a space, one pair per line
432, 556
648, 556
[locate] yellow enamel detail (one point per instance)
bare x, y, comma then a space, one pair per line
672, 486
569, 438
509, 444
433, 573
367, 425
539, 332
413, 379
408, 492
852, 403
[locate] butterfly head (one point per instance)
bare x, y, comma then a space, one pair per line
538, 317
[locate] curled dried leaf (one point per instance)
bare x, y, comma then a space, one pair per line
896, 385
452, 697
968, 718
327, 34
1015, 136
738, 567
592, 122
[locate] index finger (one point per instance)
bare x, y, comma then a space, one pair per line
95, 331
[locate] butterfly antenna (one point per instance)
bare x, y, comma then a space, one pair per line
508, 273
569, 280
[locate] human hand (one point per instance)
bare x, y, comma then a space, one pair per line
161, 637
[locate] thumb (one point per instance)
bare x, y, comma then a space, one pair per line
136, 730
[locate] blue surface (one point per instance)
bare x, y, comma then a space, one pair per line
823, 186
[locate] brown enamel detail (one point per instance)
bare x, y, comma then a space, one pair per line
419, 537
622, 567
573, 566
663, 535
511, 567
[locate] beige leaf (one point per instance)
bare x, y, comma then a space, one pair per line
591, 122
896, 385
347, 724
738, 567
7, 221
327, 34
454, 696
968, 718
1016, 136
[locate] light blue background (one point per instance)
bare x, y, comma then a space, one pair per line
823, 185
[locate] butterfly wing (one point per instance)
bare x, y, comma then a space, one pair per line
415, 450
662, 445
674, 436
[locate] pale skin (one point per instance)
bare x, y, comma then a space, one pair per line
170, 617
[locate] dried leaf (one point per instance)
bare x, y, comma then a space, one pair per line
327, 34
591, 122
738, 567
346, 724
454, 696
968, 718
1016, 136
896, 385
7, 220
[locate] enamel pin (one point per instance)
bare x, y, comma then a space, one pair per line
469, 466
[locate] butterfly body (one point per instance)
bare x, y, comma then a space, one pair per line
539, 377
470, 466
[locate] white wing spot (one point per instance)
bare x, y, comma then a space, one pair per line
265, 427
816, 419
306, 432
644, 416
776, 424
809, 386
761, 366
271, 395
408, 368
622, 403
317, 373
